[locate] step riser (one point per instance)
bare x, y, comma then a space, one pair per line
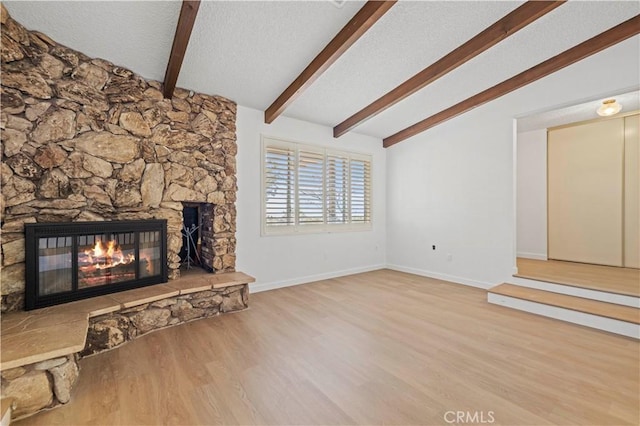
618, 299
568, 315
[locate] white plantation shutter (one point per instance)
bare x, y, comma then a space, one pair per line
337, 189
360, 189
309, 188
279, 185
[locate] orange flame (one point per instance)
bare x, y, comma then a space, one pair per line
108, 255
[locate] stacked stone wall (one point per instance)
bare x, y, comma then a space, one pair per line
84, 140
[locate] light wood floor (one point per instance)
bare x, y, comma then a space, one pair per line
595, 277
375, 348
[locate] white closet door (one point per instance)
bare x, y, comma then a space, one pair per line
631, 192
585, 192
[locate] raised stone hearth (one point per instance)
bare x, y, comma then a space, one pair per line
111, 330
41, 348
86, 140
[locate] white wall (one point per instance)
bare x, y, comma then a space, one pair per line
282, 260
531, 195
453, 185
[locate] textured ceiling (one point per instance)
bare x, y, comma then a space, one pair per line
250, 51
407, 39
555, 32
137, 35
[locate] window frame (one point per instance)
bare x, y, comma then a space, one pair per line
326, 227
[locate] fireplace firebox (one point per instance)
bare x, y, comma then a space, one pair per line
72, 261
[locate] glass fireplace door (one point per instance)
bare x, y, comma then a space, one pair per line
75, 260
150, 253
106, 259
55, 265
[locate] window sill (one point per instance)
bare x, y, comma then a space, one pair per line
318, 229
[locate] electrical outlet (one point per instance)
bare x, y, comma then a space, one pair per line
433, 247
449, 257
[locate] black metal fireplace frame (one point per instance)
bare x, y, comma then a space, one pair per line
34, 231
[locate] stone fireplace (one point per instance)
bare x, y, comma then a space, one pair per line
100, 176
84, 140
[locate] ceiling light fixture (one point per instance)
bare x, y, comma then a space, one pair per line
608, 108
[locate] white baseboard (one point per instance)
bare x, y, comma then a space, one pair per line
444, 277
594, 321
258, 287
535, 256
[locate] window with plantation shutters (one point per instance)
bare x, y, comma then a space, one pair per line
310, 187
337, 199
313, 189
279, 186
360, 190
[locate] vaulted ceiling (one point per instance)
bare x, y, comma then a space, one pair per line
250, 51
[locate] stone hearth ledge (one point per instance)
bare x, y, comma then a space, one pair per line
43, 334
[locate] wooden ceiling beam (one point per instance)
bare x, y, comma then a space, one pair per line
508, 25
577, 53
186, 20
366, 17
